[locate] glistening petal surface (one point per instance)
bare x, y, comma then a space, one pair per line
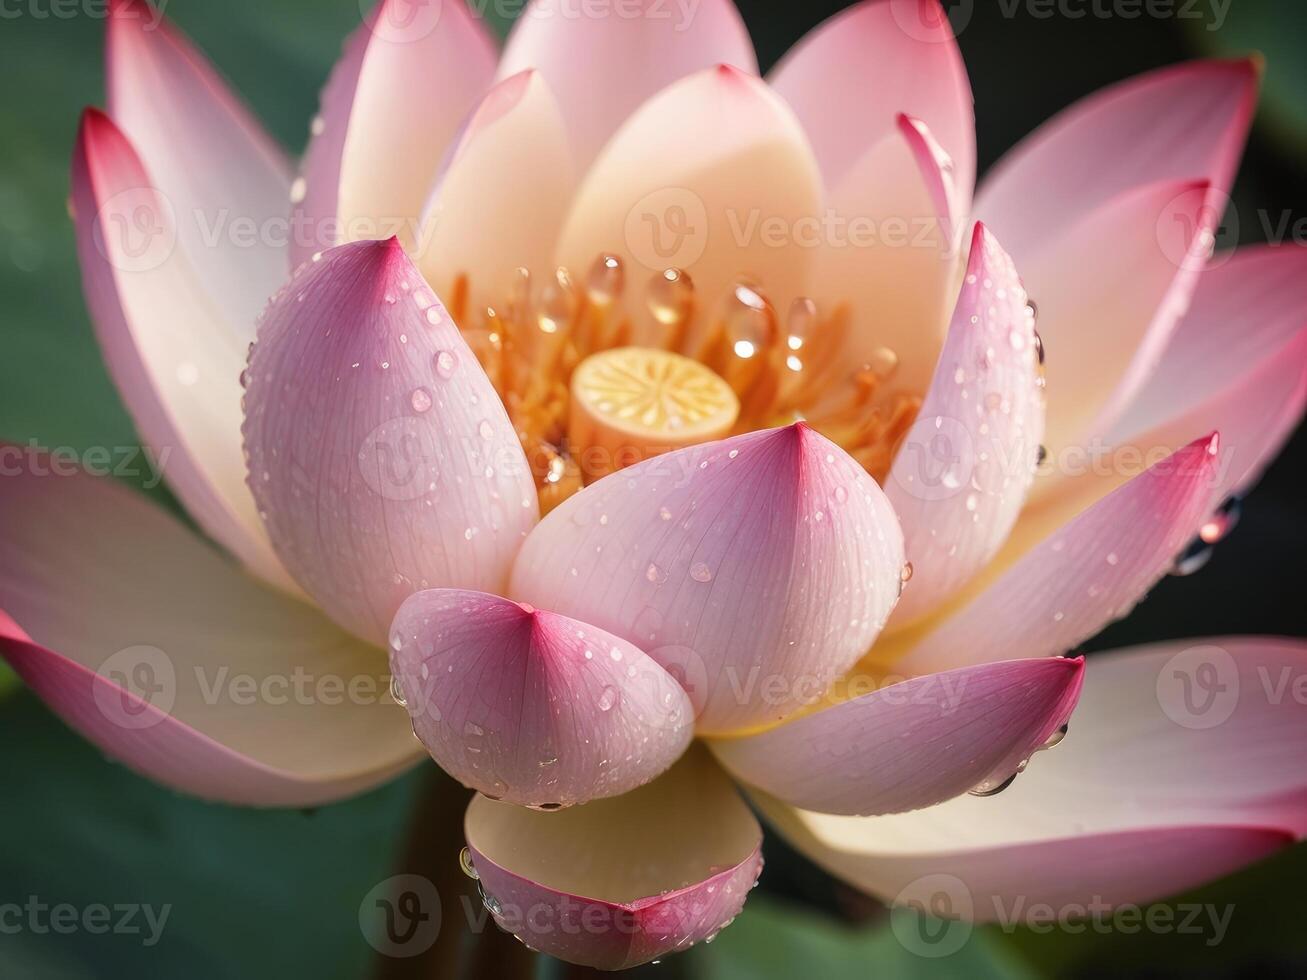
619, 882
531, 707
379, 454
913, 743
962, 473
1124, 809
756, 569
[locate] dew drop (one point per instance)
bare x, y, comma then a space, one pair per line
397, 691
420, 400
445, 362
700, 572
607, 698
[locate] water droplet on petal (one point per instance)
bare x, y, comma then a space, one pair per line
420, 400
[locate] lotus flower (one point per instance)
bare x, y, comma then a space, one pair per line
614, 276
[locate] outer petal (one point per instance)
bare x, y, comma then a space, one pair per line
603, 67
532, 707
757, 568
913, 743
379, 453
851, 77
620, 882
962, 473
1110, 290
173, 661
1186, 122
891, 262
1085, 576
486, 218
715, 211
183, 119
370, 164
180, 385
1236, 360
1160, 785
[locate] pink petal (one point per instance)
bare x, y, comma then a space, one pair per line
1109, 291
962, 474
1180, 765
487, 218
756, 569
393, 106
379, 453
850, 78
913, 743
657, 207
622, 881
889, 262
531, 707
173, 661
1084, 576
182, 119
1185, 122
603, 67
1237, 361
180, 385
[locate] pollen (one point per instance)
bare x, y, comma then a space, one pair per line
592, 383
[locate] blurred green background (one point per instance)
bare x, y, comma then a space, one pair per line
274, 894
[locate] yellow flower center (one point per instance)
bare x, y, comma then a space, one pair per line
630, 403
585, 402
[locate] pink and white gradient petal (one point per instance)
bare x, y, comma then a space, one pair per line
380, 455
657, 207
394, 105
890, 259
1088, 574
962, 473
913, 743
602, 68
622, 881
173, 661
487, 218
850, 78
531, 707
738, 565
1184, 122
1110, 289
181, 386
183, 119
1124, 809
1237, 361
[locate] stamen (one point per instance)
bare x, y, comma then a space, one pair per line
699, 375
